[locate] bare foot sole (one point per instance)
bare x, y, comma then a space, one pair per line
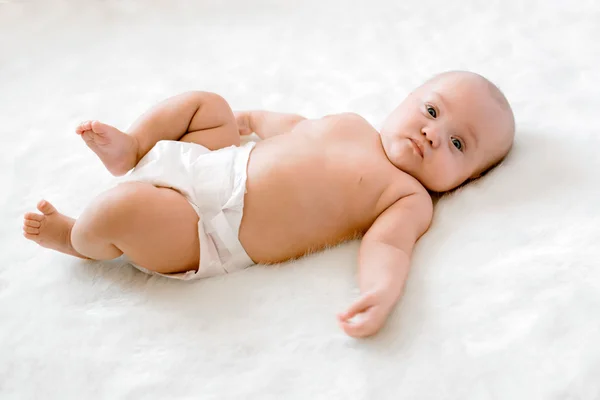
50, 229
117, 150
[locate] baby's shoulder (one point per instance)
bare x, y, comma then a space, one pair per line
345, 125
346, 116
347, 119
336, 126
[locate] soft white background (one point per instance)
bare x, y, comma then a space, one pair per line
503, 300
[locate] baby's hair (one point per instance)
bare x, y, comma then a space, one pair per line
495, 91
501, 100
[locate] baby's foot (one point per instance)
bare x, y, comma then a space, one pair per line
50, 229
116, 149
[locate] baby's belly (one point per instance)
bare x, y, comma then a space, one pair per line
299, 206
279, 233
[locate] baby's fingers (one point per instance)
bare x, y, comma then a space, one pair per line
362, 304
358, 329
242, 119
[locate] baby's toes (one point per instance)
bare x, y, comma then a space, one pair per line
31, 237
92, 138
34, 217
46, 208
31, 230
84, 126
95, 138
88, 136
100, 127
32, 223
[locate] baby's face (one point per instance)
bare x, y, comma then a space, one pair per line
447, 131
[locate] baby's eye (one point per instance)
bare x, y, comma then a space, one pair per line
457, 143
432, 111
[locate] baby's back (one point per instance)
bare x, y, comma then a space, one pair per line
321, 184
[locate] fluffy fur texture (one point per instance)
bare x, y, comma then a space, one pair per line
504, 295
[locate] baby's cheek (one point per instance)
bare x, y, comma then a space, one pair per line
442, 174
393, 151
397, 150
405, 153
401, 154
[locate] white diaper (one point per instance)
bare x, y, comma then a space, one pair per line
214, 182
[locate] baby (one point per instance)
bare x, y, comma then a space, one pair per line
199, 204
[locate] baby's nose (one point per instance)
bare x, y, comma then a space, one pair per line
432, 136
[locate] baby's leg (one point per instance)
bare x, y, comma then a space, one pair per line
155, 227
199, 117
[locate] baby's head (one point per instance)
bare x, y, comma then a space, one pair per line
453, 128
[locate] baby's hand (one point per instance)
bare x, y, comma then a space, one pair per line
367, 315
242, 118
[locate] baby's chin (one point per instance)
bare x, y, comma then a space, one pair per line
400, 152
432, 181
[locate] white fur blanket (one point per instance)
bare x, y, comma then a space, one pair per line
503, 300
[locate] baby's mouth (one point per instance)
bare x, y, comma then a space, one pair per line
417, 147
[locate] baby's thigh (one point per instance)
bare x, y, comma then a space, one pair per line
158, 229
215, 138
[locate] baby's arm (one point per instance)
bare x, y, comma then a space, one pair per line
266, 123
384, 259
